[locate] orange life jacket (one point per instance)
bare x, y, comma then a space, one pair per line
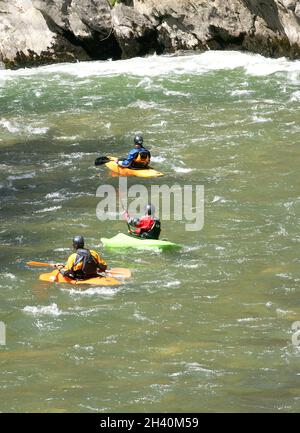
142, 159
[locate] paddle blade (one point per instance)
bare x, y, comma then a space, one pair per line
120, 272
40, 264
101, 160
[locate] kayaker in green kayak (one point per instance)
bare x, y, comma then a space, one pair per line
146, 227
83, 263
139, 157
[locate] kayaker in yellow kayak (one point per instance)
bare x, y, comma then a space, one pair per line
139, 157
83, 263
146, 227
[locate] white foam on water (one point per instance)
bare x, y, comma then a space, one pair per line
54, 195
51, 310
8, 275
48, 209
29, 175
258, 119
176, 93
54, 165
295, 96
285, 275
76, 155
59, 196
175, 283
144, 105
36, 130
92, 291
157, 159
66, 137
157, 66
282, 313
15, 127
138, 316
160, 124
182, 169
145, 83
218, 199
195, 367
9, 126
241, 92
192, 266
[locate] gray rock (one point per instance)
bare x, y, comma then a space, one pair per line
46, 31
33, 32
270, 27
135, 32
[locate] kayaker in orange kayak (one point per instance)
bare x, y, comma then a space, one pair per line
83, 263
139, 157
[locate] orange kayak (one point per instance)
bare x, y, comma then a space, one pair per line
139, 172
56, 277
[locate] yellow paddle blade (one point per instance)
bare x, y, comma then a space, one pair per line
119, 272
39, 264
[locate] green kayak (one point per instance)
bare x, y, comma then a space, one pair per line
124, 241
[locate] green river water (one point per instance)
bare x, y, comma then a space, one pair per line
204, 329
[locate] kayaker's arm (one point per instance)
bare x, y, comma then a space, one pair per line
135, 222
128, 161
125, 214
129, 219
101, 264
67, 269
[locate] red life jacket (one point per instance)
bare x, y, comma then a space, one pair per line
145, 223
147, 227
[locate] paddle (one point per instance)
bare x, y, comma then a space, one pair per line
103, 160
125, 215
121, 272
118, 272
52, 265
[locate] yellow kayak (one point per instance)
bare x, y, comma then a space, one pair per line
56, 277
139, 172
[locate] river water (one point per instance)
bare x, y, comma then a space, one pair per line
205, 328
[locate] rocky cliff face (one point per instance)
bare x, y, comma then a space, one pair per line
34, 32
45, 31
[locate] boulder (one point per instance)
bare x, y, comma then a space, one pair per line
33, 32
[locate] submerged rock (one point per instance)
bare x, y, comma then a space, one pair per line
34, 32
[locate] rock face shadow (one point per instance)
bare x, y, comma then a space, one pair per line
268, 11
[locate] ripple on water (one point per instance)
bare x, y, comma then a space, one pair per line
48, 209
28, 175
94, 291
39, 310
